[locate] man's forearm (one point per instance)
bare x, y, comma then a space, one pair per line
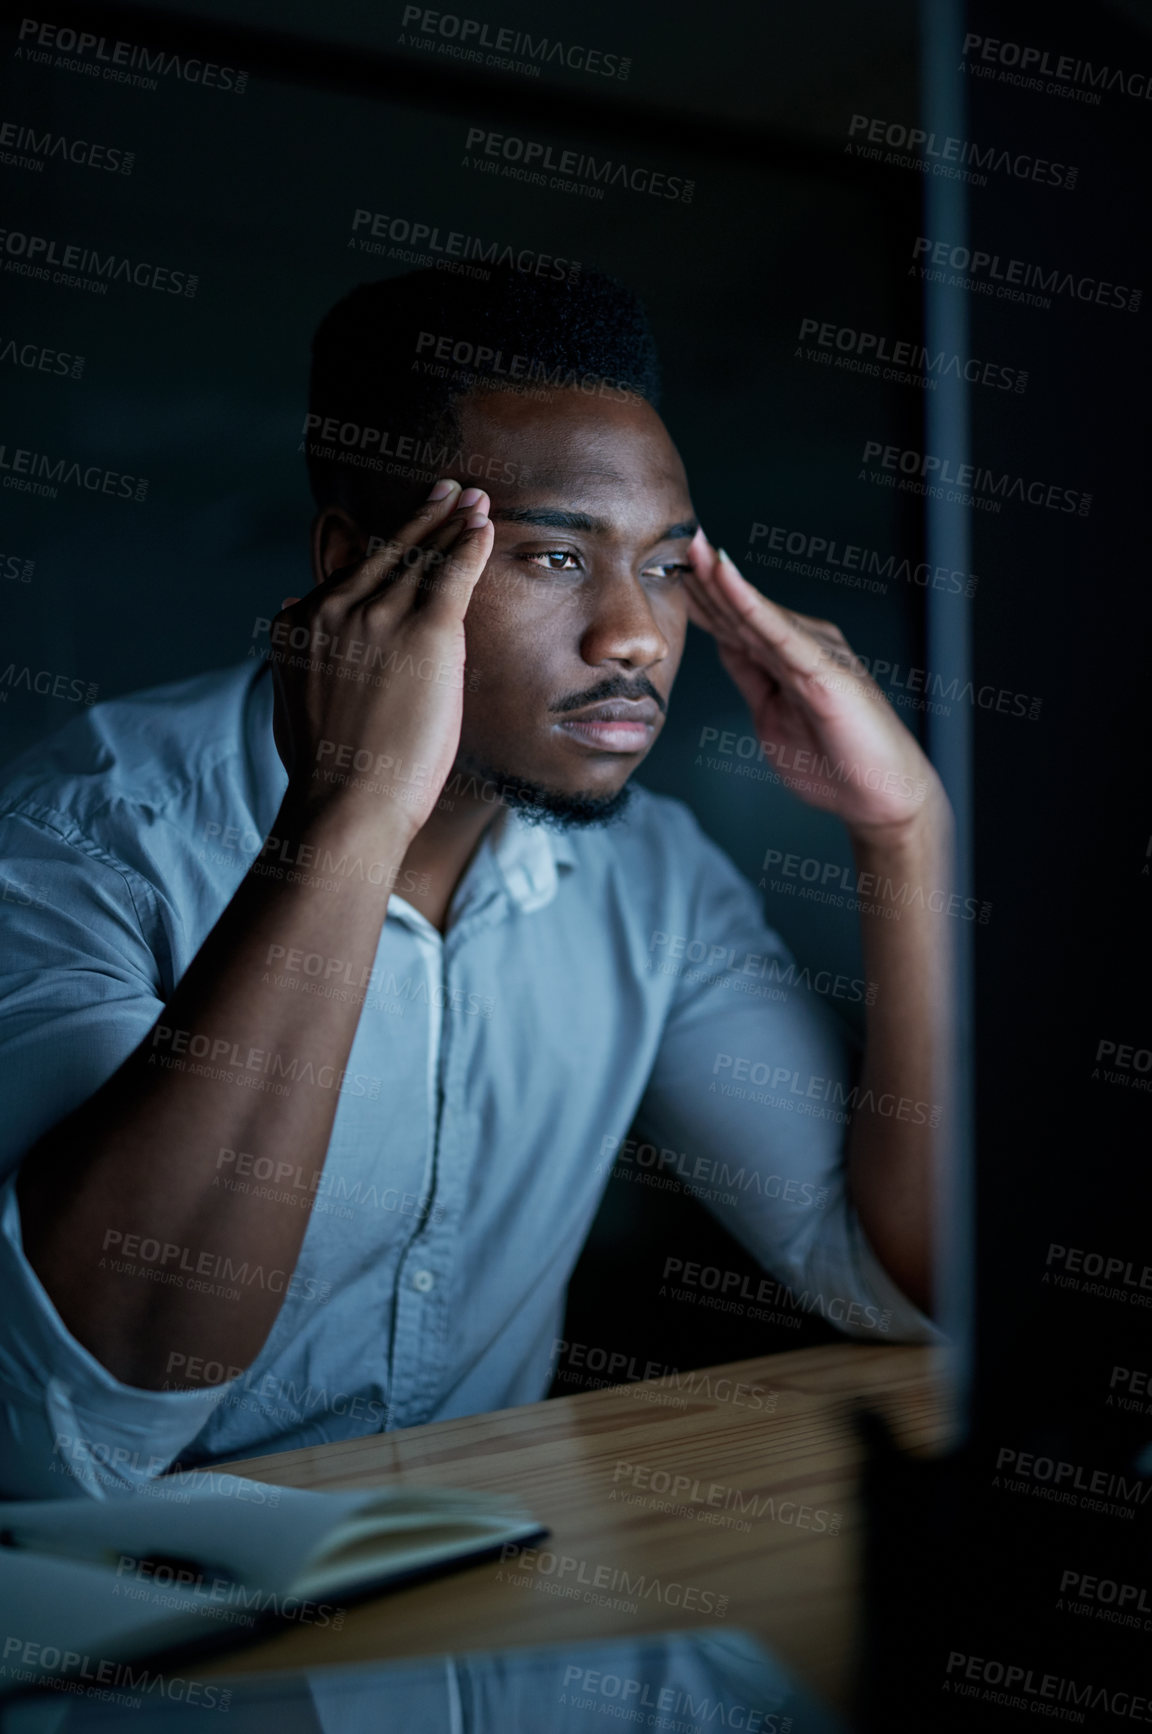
895, 1131
142, 1157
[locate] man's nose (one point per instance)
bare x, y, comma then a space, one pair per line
623, 628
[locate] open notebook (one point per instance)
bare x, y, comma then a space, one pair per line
191, 1554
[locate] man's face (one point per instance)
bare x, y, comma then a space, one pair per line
576, 627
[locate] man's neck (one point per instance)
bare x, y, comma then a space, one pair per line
438, 856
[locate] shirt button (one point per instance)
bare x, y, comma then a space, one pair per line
423, 1280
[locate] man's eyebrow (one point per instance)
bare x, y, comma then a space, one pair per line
548, 518
553, 518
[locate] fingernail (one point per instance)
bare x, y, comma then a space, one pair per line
476, 521
469, 498
723, 554
442, 489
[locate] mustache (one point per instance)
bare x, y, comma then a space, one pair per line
615, 686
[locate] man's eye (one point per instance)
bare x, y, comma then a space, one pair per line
552, 559
671, 571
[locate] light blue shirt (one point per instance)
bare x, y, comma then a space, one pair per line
494, 1072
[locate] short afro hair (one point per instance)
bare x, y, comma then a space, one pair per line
391, 360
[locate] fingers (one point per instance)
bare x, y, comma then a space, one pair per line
706, 606
451, 581
700, 612
397, 551
785, 644
417, 567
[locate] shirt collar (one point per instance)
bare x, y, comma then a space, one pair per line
528, 857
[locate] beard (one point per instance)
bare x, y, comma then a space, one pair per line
537, 804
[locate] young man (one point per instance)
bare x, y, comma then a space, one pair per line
327, 982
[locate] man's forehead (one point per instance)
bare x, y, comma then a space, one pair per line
564, 434
597, 486
576, 517
570, 478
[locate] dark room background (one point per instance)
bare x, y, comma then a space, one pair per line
254, 193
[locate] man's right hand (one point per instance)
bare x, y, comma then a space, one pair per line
369, 671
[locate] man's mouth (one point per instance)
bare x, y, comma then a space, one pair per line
616, 725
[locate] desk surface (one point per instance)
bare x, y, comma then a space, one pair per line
783, 1468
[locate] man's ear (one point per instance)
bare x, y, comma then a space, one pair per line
338, 543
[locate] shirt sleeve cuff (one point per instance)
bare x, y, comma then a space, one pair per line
68, 1427
905, 1322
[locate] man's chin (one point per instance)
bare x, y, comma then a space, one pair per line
540, 803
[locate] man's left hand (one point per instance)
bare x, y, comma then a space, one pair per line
822, 721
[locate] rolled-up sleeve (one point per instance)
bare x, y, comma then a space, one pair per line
68, 1428
752, 1090
80, 986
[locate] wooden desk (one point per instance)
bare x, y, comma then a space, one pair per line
787, 1580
